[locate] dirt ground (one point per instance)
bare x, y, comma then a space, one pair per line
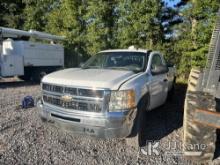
24, 139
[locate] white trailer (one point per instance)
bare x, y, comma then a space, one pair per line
27, 59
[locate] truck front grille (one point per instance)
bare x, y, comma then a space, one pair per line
52, 88
74, 98
73, 91
73, 104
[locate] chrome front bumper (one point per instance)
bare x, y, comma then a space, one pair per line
102, 125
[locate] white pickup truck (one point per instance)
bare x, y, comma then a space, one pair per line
107, 96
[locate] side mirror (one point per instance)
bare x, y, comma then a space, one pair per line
159, 70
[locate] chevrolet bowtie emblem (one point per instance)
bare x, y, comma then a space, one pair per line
66, 98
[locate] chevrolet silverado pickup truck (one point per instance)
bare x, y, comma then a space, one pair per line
107, 95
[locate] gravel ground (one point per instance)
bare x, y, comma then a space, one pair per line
24, 139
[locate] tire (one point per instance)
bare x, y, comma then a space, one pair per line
42, 74
38, 75
217, 105
135, 139
195, 133
25, 77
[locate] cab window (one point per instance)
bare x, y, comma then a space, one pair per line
156, 61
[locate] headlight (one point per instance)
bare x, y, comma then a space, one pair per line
121, 100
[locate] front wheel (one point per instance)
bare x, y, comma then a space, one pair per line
136, 138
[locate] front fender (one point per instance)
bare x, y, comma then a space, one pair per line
140, 84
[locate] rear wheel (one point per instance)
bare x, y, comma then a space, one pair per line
37, 73
25, 78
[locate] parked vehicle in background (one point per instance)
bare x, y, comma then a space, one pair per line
28, 59
108, 95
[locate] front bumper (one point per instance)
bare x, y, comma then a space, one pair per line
102, 125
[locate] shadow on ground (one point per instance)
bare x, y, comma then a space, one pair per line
164, 120
15, 82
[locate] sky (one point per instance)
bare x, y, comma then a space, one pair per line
171, 2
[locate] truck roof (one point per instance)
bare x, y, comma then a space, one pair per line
125, 50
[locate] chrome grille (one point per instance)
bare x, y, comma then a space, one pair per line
73, 104
90, 93
52, 88
79, 98
73, 91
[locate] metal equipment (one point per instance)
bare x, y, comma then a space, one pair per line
201, 111
30, 60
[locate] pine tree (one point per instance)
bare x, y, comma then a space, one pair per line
11, 14
67, 19
195, 32
36, 13
101, 20
140, 23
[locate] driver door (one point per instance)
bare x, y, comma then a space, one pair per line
158, 85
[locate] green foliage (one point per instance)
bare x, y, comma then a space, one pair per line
68, 19
11, 14
194, 33
36, 13
100, 18
139, 23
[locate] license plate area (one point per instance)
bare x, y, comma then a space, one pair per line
66, 118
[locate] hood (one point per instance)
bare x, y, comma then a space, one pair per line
95, 78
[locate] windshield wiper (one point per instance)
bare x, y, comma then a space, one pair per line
90, 67
116, 67
119, 68
124, 68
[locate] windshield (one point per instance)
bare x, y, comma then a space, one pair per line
133, 61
